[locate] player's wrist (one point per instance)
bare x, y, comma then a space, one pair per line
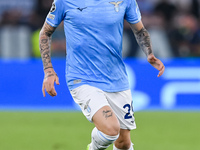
151, 58
49, 70
150, 55
50, 73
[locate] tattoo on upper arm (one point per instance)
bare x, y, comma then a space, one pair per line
143, 39
107, 113
45, 44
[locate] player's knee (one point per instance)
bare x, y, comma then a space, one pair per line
112, 129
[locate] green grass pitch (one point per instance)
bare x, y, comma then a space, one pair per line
71, 131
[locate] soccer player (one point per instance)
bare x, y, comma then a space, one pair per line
95, 71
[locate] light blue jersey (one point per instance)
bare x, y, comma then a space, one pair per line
94, 30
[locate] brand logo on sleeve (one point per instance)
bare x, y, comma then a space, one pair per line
116, 5
51, 16
77, 81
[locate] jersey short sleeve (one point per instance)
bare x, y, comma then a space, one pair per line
133, 14
56, 14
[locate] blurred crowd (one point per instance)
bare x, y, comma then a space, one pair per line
174, 26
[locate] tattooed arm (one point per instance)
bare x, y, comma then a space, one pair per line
45, 50
45, 45
143, 39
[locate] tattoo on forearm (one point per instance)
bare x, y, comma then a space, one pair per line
47, 68
143, 39
45, 45
49, 76
50, 73
107, 113
46, 59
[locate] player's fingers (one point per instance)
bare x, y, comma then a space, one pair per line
160, 66
57, 81
53, 93
161, 71
43, 90
51, 90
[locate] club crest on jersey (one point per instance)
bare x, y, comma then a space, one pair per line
116, 5
53, 7
87, 107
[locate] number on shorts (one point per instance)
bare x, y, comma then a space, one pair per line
128, 115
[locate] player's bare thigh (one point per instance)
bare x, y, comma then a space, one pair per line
106, 121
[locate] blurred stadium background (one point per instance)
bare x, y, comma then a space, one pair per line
167, 109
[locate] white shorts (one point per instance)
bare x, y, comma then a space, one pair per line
91, 99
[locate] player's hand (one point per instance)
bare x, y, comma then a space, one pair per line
48, 82
156, 63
